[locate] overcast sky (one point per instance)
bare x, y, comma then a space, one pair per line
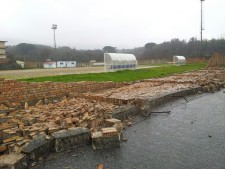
93, 24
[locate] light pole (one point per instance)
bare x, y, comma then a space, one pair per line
201, 27
54, 27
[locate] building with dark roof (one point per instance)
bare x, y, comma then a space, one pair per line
3, 58
2, 50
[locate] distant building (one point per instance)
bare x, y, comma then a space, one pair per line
49, 64
20, 63
59, 64
94, 63
2, 50
99, 64
64, 64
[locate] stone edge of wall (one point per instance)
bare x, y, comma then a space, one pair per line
144, 107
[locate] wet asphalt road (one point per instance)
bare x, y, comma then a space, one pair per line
192, 136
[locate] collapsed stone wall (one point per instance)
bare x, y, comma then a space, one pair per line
218, 59
17, 91
20, 128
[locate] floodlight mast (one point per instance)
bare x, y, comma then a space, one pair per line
54, 27
201, 28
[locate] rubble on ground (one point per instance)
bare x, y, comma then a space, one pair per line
210, 80
89, 117
20, 126
17, 161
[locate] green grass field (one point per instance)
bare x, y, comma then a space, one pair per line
120, 76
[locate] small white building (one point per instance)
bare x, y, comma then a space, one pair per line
94, 63
179, 60
20, 63
63, 64
119, 61
59, 64
98, 64
49, 64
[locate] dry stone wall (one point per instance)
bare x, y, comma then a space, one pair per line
16, 91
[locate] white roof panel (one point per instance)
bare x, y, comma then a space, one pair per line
121, 56
180, 57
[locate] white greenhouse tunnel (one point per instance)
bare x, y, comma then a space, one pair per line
179, 60
119, 61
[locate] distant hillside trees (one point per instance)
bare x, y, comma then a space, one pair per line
190, 48
109, 49
149, 49
168, 49
39, 53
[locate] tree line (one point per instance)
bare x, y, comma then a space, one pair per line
191, 48
40, 53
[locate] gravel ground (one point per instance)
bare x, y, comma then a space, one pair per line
190, 137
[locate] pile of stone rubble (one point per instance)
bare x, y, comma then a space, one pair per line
87, 118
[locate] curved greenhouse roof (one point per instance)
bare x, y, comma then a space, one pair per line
121, 56
179, 60
118, 61
180, 57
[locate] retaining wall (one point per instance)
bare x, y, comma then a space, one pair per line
144, 107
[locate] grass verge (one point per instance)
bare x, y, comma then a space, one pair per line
120, 76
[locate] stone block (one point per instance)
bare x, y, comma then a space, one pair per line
114, 123
109, 131
13, 161
107, 138
72, 138
122, 114
39, 146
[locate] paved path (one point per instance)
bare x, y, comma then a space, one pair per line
191, 137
